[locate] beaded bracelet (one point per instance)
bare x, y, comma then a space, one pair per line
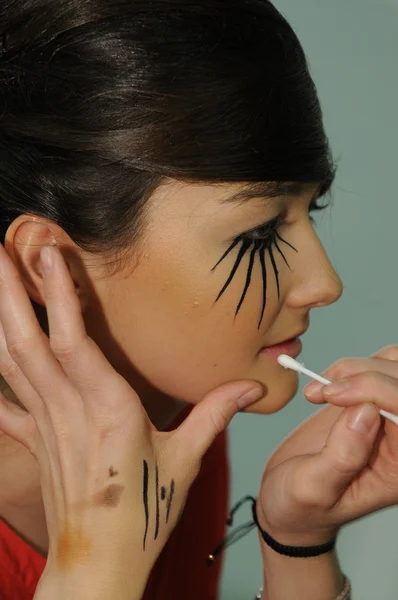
344, 595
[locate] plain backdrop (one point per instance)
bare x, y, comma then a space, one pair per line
352, 47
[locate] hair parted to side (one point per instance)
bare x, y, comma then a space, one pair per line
103, 101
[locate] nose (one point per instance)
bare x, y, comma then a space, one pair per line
314, 281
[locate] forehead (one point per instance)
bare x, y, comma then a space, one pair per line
238, 192
270, 190
176, 197
181, 209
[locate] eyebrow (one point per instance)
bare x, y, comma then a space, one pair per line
275, 189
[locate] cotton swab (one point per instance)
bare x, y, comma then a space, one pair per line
289, 363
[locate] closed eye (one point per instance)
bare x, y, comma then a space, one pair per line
259, 241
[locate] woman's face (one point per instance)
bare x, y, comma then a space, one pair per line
165, 316
159, 322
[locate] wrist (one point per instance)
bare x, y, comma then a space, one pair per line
90, 584
298, 537
319, 577
302, 576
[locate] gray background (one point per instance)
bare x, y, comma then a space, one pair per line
352, 46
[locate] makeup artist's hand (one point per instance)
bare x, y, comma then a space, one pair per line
113, 486
325, 474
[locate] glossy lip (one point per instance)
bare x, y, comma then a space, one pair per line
286, 340
292, 347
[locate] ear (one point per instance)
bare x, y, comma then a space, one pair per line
24, 239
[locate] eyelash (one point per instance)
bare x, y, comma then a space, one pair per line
262, 242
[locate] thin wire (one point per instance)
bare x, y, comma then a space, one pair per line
235, 535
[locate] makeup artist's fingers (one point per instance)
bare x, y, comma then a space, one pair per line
374, 387
347, 367
351, 366
387, 353
213, 414
326, 475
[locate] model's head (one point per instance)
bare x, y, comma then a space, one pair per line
174, 150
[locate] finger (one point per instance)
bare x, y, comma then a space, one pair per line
308, 437
325, 476
387, 353
92, 375
377, 388
27, 362
16, 423
351, 366
213, 414
16, 380
346, 367
374, 387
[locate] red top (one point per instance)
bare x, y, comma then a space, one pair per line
180, 572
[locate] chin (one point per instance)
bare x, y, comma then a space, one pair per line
276, 397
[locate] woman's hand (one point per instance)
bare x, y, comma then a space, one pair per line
113, 486
325, 474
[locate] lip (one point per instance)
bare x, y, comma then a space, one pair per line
292, 346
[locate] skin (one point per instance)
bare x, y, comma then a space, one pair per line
157, 323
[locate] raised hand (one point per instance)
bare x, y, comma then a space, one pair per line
113, 486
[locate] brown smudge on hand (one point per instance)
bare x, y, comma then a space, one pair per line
74, 546
73, 550
112, 472
108, 497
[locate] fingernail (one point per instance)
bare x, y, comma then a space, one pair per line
312, 389
250, 397
363, 419
336, 389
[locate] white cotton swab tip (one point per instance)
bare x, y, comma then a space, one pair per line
289, 363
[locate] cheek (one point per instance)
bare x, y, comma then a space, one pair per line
168, 326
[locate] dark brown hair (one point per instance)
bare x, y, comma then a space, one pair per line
101, 101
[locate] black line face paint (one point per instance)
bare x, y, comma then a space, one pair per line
261, 240
169, 500
161, 494
157, 503
145, 485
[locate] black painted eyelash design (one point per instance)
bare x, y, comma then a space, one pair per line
260, 245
